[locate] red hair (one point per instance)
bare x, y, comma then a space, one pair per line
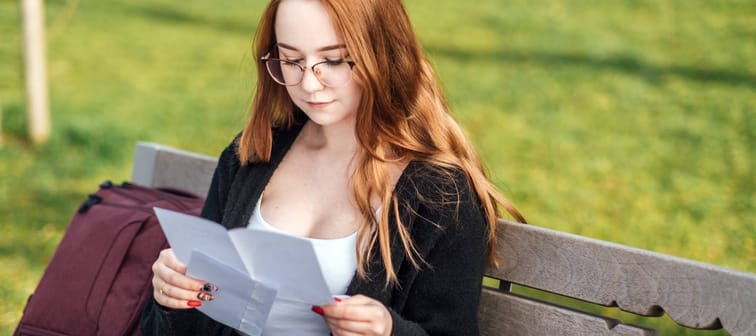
402, 116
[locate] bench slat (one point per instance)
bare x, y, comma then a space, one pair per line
510, 314
161, 166
694, 294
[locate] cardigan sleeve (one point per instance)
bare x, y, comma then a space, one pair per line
450, 230
158, 320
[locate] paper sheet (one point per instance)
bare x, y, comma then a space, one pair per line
240, 302
284, 262
186, 233
249, 263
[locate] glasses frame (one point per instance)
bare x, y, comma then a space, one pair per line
303, 68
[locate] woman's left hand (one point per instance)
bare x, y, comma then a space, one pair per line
357, 315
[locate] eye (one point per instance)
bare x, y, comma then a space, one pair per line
291, 63
334, 62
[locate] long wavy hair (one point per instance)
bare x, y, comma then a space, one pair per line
402, 116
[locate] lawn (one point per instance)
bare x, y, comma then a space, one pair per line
628, 121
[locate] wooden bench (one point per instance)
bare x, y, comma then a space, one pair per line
694, 294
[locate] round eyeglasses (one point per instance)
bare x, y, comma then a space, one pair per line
331, 73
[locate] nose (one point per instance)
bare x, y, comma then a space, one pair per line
310, 81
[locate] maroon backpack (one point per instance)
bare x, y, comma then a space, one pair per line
100, 276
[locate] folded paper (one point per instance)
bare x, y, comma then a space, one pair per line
250, 267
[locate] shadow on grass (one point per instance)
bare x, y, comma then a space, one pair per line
14, 121
163, 13
621, 63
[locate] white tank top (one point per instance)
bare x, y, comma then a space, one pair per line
338, 263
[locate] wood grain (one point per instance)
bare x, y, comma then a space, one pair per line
161, 166
510, 314
694, 294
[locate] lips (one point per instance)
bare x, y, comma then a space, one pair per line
318, 105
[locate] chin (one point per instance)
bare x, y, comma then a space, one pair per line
325, 120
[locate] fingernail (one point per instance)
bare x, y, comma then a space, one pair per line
209, 287
318, 310
336, 299
204, 296
193, 303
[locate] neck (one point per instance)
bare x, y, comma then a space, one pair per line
332, 139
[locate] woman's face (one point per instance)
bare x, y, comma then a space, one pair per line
306, 35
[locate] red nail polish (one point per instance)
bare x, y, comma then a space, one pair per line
336, 299
193, 303
318, 310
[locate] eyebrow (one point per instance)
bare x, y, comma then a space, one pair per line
326, 48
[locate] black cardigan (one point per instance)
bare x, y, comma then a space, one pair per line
438, 208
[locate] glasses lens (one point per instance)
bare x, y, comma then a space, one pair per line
284, 72
330, 73
333, 73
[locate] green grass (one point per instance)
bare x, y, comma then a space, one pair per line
628, 121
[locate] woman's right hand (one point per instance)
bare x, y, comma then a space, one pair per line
171, 287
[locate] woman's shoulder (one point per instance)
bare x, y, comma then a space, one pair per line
429, 175
230, 153
440, 199
434, 185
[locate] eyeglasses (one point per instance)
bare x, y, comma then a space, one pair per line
331, 73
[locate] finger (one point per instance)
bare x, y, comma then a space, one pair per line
167, 275
172, 288
356, 308
174, 303
360, 315
347, 327
336, 331
169, 259
357, 299
166, 290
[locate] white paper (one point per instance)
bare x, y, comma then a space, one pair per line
245, 261
240, 302
186, 233
286, 263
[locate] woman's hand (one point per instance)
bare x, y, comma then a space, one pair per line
171, 287
357, 315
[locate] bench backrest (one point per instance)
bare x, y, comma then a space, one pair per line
695, 295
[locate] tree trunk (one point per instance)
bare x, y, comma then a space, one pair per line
35, 70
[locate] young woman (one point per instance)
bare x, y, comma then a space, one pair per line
350, 144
